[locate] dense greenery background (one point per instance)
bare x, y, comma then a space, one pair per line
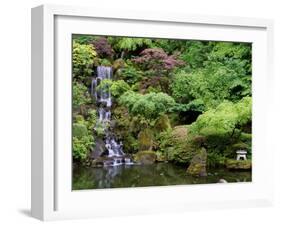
171, 97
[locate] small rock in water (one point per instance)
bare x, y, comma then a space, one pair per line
222, 181
197, 166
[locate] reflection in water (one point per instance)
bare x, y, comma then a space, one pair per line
148, 175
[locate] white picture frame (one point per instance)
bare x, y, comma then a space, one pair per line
52, 197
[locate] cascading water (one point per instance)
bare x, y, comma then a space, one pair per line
104, 101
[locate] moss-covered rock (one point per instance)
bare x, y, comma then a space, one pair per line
197, 166
79, 130
179, 132
175, 145
145, 157
160, 157
162, 124
117, 64
145, 139
238, 164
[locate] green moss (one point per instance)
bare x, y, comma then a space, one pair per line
145, 139
245, 137
238, 164
180, 132
117, 64
162, 123
145, 157
240, 146
197, 166
160, 157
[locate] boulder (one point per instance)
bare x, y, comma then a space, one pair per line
179, 133
145, 140
162, 123
160, 157
145, 157
99, 148
197, 166
238, 164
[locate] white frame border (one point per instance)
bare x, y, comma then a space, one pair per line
43, 86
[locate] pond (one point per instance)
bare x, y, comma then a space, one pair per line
159, 174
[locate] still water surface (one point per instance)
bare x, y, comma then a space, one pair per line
158, 174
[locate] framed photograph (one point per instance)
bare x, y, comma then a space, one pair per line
135, 112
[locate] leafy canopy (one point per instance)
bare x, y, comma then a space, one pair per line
149, 106
222, 120
83, 58
116, 88
129, 44
157, 62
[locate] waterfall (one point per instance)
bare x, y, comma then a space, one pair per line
104, 103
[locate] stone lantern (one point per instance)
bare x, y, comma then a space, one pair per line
241, 155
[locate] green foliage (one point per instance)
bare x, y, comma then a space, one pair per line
82, 137
130, 74
82, 140
91, 119
195, 53
83, 56
80, 94
105, 62
175, 145
100, 129
116, 88
83, 39
209, 86
149, 106
119, 87
181, 86
129, 44
224, 119
79, 130
81, 147
156, 81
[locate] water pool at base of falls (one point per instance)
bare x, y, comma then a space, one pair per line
158, 174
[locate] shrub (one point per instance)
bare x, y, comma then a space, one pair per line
150, 106
79, 130
130, 74
103, 48
116, 88
129, 44
157, 62
83, 56
80, 95
81, 147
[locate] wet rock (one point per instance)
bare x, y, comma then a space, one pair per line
99, 148
197, 166
238, 164
145, 157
